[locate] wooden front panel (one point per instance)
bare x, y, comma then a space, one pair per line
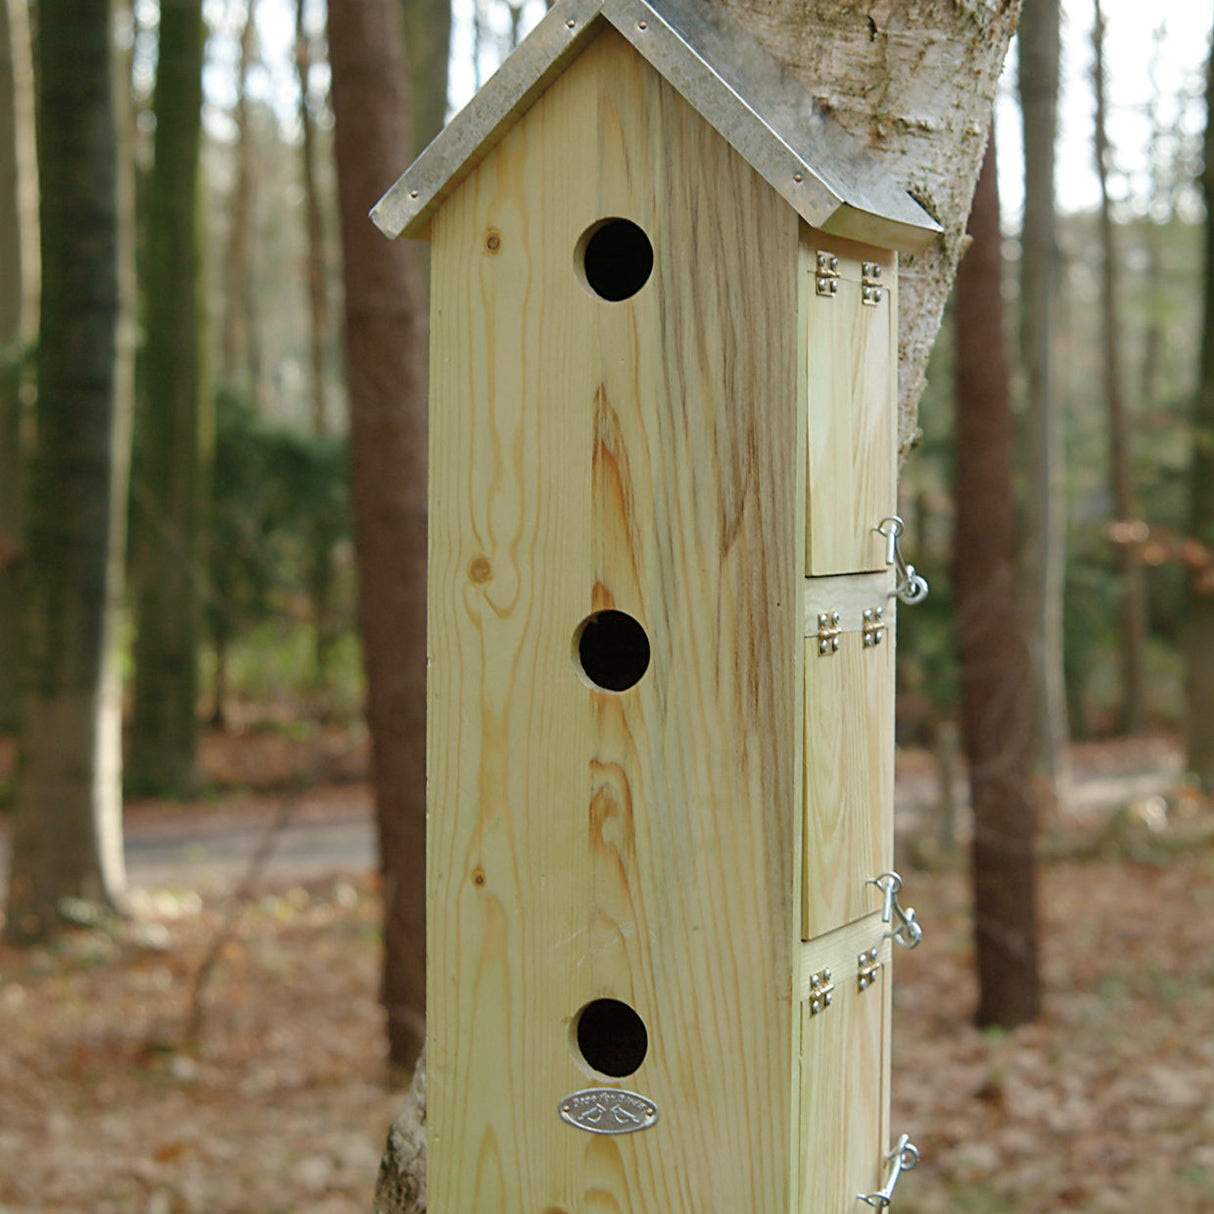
851, 359
845, 1077
637, 455
848, 759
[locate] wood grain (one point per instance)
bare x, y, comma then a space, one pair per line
851, 482
844, 1077
849, 774
637, 455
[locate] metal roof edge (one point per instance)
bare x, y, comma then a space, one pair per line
407, 207
733, 83
757, 106
697, 80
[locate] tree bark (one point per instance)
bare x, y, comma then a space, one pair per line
163, 755
385, 341
915, 84
1199, 625
1044, 558
67, 832
997, 695
1133, 714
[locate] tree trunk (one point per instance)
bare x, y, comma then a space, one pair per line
1159, 213
67, 832
1133, 714
238, 349
914, 83
427, 41
385, 340
1044, 567
318, 302
163, 754
320, 540
997, 695
1199, 626
18, 254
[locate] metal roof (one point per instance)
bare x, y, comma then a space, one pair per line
746, 95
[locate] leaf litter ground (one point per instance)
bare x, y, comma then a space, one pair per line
282, 1102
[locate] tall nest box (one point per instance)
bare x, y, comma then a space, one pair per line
663, 571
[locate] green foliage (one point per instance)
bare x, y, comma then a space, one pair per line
280, 506
1161, 328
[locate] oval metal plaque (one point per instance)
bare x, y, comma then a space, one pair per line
609, 1111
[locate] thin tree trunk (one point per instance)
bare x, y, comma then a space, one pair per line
1045, 507
1133, 714
16, 121
1153, 336
67, 832
163, 753
238, 361
318, 302
997, 694
320, 542
385, 339
1199, 625
427, 42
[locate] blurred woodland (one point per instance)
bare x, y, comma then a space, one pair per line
212, 597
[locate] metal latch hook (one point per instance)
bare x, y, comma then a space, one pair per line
901, 1159
909, 931
909, 586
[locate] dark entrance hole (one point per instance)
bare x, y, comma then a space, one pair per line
611, 1037
612, 650
616, 258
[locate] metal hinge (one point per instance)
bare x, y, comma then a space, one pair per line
870, 283
874, 626
828, 633
827, 275
866, 968
821, 992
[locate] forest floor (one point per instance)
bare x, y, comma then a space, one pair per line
277, 1099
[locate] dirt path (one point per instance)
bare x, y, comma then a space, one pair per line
330, 830
207, 846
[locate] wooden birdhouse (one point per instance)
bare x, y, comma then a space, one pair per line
661, 618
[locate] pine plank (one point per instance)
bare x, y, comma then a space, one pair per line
849, 761
844, 1096
851, 402
634, 455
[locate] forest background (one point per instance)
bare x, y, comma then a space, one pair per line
233, 655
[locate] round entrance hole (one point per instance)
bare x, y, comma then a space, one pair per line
611, 1037
615, 258
612, 649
